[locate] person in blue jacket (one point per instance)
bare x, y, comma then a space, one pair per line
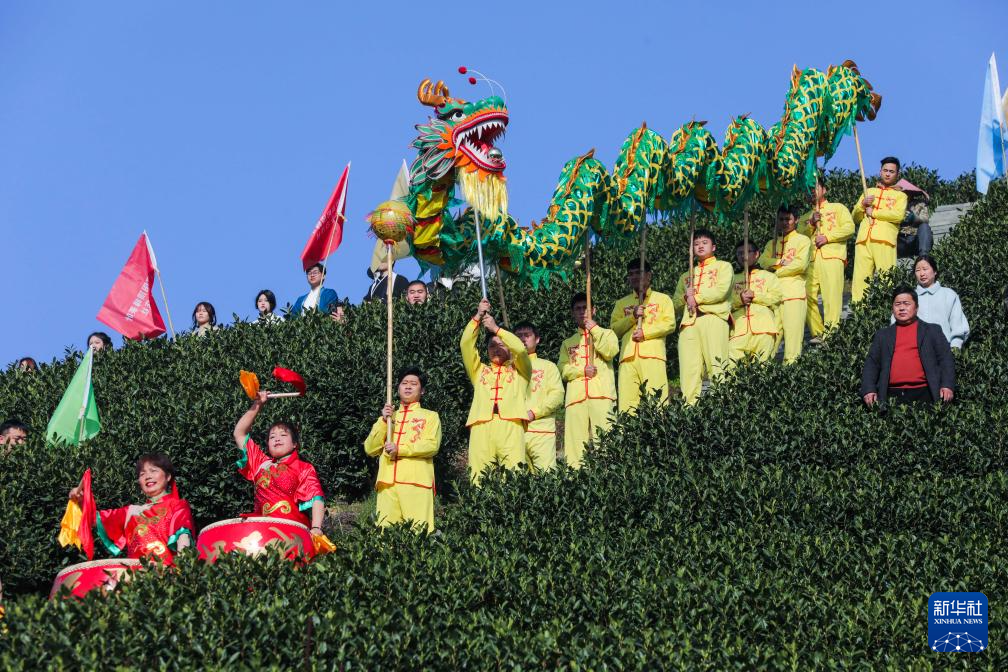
318, 297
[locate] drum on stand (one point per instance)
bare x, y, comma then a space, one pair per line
255, 535
82, 578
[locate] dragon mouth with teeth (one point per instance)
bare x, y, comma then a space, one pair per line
474, 140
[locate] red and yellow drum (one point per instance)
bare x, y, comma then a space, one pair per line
82, 578
253, 536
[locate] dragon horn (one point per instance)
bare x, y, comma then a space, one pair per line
434, 95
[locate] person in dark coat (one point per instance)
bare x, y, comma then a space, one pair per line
909, 361
379, 284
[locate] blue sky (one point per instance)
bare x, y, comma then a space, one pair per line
221, 127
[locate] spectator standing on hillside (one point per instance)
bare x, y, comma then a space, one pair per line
704, 301
204, 318
27, 364
545, 397
99, 340
499, 409
586, 366
416, 293
754, 320
879, 214
787, 256
829, 226
910, 361
938, 304
642, 352
13, 432
318, 297
915, 236
266, 304
379, 284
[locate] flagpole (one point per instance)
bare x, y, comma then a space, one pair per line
340, 218
164, 297
157, 271
87, 391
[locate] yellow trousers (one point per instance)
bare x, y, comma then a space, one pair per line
580, 423
702, 347
826, 278
540, 450
648, 372
495, 440
757, 347
870, 258
399, 502
793, 327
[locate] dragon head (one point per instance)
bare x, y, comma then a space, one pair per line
460, 137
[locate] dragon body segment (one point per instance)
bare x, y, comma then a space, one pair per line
457, 148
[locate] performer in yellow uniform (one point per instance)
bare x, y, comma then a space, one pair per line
586, 366
788, 257
879, 214
642, 353
828, 226
705, 305
754, 323
405, 482
546, 396
499, 407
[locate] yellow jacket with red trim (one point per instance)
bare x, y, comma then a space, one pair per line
574, 359
416, 432
546, 395
758, 317
505, 386
789, 260
659, 321
887, 215
712, 283
835, 223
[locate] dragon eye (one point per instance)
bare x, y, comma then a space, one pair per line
456, 115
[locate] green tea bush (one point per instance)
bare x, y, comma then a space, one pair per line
779, 524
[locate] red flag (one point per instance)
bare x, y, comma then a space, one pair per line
128, 308
88, 513
292, 377
328, 231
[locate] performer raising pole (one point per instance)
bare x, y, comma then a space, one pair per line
391, 222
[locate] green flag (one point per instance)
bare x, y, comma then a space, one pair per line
76, 417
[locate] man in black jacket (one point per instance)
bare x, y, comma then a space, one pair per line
910, 361
378, 291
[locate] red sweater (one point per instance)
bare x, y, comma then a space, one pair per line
906, 370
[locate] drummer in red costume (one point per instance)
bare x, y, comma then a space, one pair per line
160, 528
285, 485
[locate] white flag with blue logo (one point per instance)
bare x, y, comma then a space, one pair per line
991, 145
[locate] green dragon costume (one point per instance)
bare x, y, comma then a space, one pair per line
457, 147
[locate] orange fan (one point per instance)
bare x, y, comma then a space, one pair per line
250, 382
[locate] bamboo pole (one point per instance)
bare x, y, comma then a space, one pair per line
643, 259
500, 295
277, 395
388, 364
590, 354
745, 243
692, 229
860, 163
